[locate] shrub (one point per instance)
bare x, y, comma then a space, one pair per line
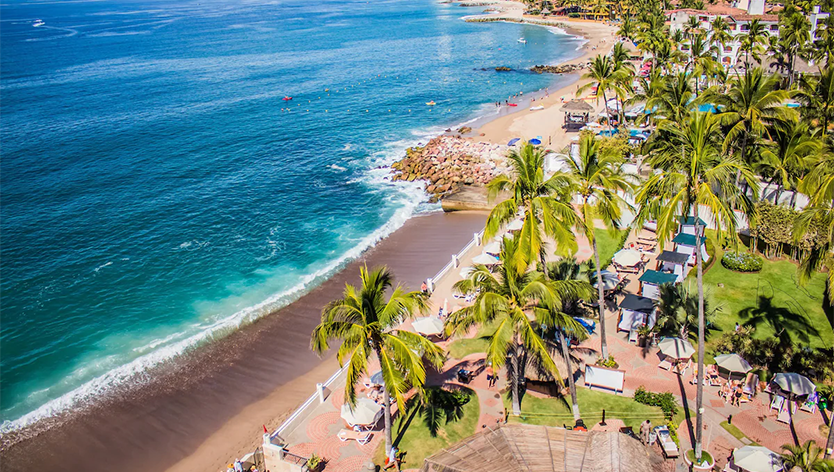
742, 261
665, 401
573, 15
610, 362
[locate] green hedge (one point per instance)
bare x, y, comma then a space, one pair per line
742, 261
665, 400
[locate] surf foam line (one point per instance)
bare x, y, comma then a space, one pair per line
134, 370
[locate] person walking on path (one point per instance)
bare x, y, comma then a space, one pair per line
645, 431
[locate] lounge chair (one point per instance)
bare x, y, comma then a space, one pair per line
363, 437
665, 364
784, 415
632, 336
776, 403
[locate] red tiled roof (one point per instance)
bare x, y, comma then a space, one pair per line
746, 17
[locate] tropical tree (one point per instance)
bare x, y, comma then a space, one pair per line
701, 58
503, 298
752, 42
816, 97
751, 103
544, 214
805, 458
823, 48
596, 178
690, 171
794, 34
627, 29
784, 158
720, 32
677, 99
365, 320
677, 309
605, 76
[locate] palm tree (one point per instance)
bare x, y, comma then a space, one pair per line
805, 458
620, 56
561, 319
544, 215
626, 29
816, 96
689, 172
365, 321
651, 91
677, 99
678, 310
794, 34
504, 298
752, 41
606, 77
784, 159
595, 178
823, 48
752, 102
701, 59
720, 32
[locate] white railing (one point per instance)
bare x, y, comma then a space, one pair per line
300, 410
476, 241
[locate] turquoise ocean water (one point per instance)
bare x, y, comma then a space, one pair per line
154, 193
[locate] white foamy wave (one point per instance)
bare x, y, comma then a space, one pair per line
103, 266
408, 194
337, 168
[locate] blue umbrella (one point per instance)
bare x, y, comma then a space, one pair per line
513, 141
535, 142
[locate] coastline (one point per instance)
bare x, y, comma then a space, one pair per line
213, 418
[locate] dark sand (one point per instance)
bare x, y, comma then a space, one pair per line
209, 407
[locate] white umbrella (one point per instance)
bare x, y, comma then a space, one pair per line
794, 383
515, 225
429, 326
364, 413
757, 459
464, 273
733, 363
485, 259
627, 257
493, 248
676, 347
609, 279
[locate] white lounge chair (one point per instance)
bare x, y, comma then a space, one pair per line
363, 437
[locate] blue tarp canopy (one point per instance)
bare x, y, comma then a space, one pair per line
687, 239
690, 221
657, 278
535, 142
513, 141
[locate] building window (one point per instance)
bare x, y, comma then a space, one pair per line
745, 27
728, 49
774, 27
702, 18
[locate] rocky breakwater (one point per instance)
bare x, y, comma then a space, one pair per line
559, 69
448, 163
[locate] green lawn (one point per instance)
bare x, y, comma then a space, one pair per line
770, 300
556, 411
465, 346
413, 436
736, 433
607, 244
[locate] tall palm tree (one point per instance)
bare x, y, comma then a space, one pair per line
365, 320
816, 96
690, 172
805, 458
504, 298
544, 214
606, 77
794, 34
753, 41
751, 103
620, 55
677, 99
784, 158
627, 29
720, 32
701, 58
823, 48
596, 179
677, 310
561, 318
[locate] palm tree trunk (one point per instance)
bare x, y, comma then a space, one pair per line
571, 384
603, 344
607, 111
829, 445
386, 401
699, 398
516, 381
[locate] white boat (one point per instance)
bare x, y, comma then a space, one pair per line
537, 108
522, 40
37, 23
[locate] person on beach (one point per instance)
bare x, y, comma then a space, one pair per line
424, 288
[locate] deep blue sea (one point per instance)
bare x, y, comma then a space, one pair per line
154, 191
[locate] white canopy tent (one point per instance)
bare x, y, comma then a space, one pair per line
428, 326
676, 348
627, 257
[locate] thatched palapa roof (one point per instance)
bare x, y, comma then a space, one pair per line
529, 448
577, 106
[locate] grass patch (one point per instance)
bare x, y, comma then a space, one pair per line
736, 433
770, 300
705, 456
557, 412
465, 346
413, 434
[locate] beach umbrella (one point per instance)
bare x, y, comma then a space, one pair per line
515, 225
676, 347
757, 459
428, 326
464, 273
733, 363
493, 248
513, 141
534, 142
627, 257
485, 259
609, 280
794, 383
364, 413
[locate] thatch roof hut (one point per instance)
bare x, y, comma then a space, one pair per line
577, 106
529, 448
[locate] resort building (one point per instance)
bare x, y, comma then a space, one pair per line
817, 16
738, 16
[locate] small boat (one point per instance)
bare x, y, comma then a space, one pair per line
522, 40
537, 108
37, 23
326, 90
287, 98
513, 104
431, 103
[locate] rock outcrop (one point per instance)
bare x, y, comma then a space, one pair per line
559, 69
